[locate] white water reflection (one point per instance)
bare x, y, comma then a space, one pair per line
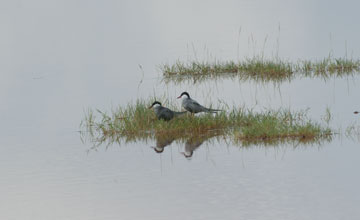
58, 58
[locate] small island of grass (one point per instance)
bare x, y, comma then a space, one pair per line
137, 122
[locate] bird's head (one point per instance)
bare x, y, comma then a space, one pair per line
156, 103
184, 93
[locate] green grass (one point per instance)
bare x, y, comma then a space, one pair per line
279, 127
136, 122
329, 67
259, 69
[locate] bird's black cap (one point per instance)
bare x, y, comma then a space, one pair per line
154, 103
184, 93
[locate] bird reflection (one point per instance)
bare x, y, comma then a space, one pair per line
194, 142
191, 144
162, 141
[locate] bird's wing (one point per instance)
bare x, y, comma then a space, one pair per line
167, 113
196, 106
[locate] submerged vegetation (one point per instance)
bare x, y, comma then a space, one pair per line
260, 69
137, 122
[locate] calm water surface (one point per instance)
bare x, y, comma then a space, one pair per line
59, 58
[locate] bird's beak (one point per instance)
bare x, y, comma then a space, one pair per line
150, 107
179, 97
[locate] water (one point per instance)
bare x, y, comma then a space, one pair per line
59, 58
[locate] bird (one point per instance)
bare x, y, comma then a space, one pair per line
193, 106
163, 112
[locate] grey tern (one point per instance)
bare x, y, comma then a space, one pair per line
193, 106
163, 112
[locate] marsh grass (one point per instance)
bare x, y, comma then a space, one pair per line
260, 69
353, 131
136, 122
328, 67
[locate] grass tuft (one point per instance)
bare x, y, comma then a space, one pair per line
260, 69
136, 122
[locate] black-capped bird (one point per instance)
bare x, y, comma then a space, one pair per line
163, 112
193, 106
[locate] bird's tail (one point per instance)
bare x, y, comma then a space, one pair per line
210, 110
179, 113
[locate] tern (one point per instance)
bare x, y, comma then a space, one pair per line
193, 106
163, 112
